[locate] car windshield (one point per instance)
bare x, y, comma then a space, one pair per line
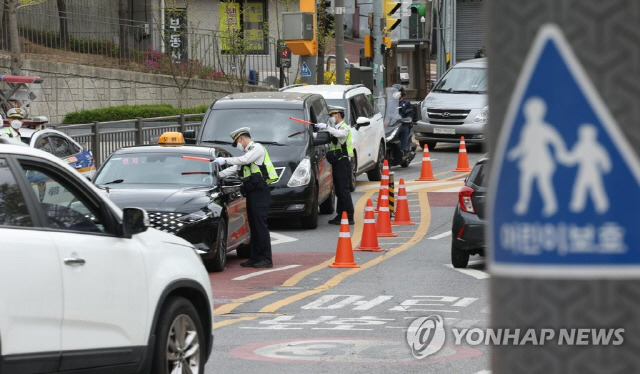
268, 126
463, 80
156, 168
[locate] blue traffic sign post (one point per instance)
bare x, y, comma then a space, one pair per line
562, 174
563, 248
304, 70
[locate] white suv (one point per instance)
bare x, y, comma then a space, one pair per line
86, 286
363, 116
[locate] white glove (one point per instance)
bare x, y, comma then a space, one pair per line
220, 161
321, 126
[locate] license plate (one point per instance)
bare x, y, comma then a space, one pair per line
445, 130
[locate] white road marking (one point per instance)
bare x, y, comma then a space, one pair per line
478, 274
484, 372
440, 236
257, 273
279, 238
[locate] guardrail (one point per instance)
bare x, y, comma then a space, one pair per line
103, 138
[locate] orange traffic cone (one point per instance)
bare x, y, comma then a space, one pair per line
426, 174
402, 207
463, 161
383, 226
344, 251
369, 240
384, 183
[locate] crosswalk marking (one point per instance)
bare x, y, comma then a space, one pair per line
257, 273
478, 274
440, 236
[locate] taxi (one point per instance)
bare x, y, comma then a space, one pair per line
180, 188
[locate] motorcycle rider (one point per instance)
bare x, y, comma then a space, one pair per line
406, 110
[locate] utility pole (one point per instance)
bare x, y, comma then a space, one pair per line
339, 33
378, 60
563, 259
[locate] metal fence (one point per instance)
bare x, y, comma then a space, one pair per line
103, 138
151, 47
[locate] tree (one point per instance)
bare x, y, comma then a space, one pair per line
14, 37
182, 47
324, 34
64, 26
123, 20
11, 8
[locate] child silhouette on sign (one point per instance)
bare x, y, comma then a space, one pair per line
536, 162
592, 160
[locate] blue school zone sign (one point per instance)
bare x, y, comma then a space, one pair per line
564, 190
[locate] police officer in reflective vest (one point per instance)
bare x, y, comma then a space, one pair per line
340, 151
257, 173
12, 132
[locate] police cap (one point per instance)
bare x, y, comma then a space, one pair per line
235, 134
336, 109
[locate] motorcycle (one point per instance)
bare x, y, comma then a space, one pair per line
393, 122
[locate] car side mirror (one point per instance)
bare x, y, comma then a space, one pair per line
230, 184
134, 221
362, 121
189, 136
321, 138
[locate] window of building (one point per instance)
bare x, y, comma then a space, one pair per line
243, 27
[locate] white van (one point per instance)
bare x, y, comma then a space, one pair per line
456, 106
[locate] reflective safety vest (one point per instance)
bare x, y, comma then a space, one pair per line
266, 170
342, 149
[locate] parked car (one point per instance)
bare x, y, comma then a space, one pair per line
363, 117
469, 217
280, 122
180, 189
87, 287
63, 146
456, 106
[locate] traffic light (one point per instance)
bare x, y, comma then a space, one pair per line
390, 22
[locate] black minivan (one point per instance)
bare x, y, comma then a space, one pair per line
277, 120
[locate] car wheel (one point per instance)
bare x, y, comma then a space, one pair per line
244, 251
311, 221
354, 170
431, 145
328, 206
459, 257
180, 342
375, 174
219, 261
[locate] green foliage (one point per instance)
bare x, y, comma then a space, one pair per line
123, 112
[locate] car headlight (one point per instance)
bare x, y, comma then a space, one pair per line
482, 116
193, 217
392, 134
302, 175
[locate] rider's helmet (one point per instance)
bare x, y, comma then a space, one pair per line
399, 88
16, 113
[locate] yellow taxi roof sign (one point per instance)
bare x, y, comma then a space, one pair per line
171, 138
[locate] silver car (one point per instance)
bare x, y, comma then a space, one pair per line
456, 106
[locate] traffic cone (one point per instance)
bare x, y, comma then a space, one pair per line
383, 226
426, 174
344, 251
369, 240
402, 207
384, 182
463, 161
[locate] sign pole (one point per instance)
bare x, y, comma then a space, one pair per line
563, 247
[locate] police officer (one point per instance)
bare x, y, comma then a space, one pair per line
257, 173
340, 149
13, 131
